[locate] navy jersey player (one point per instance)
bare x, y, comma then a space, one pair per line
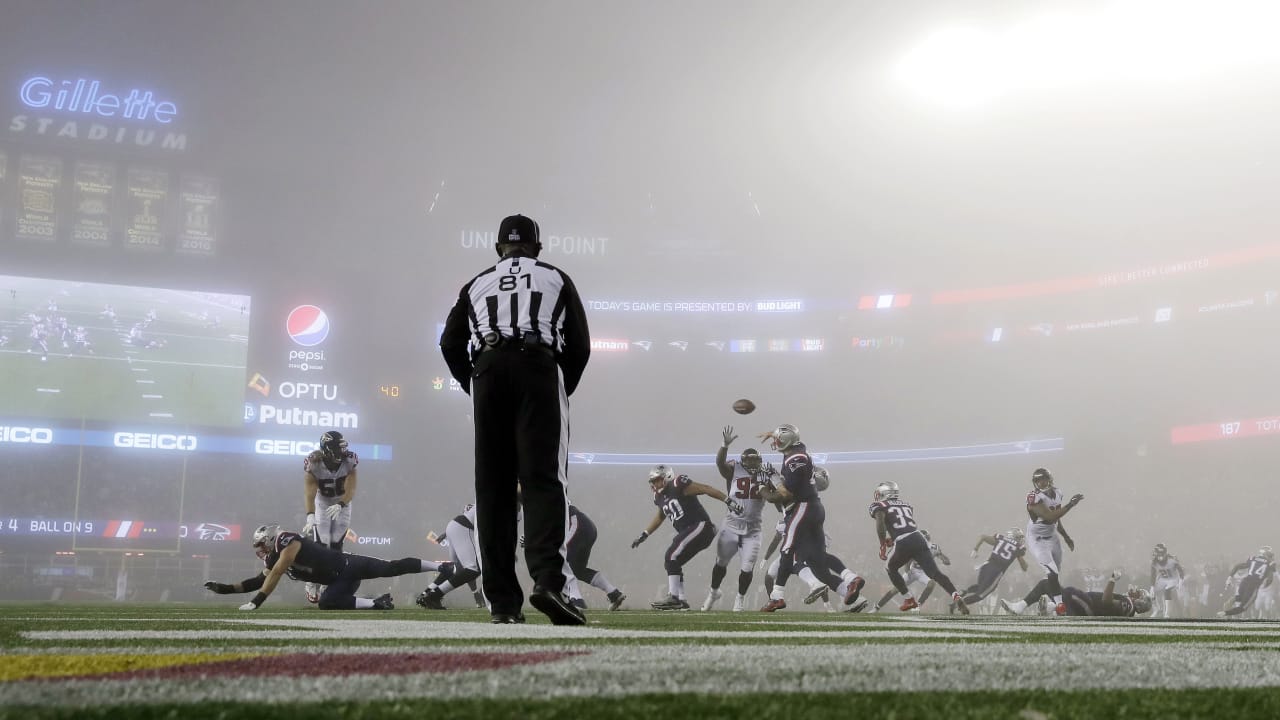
1106, 603
1006, 547
804, 545
741, 533
580, 538
676, 497
902, 542
1258, 570
329, 480
288, 553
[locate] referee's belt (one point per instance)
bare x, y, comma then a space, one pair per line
527, 342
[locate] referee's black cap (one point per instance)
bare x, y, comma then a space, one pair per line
519, 230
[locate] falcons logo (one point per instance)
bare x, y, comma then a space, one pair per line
213, 531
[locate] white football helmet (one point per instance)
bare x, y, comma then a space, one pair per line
660, 476
1015, 534
887, 490
784, 436
821, 480
1266, 552
263, 538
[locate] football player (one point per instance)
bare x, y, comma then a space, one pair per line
916, 577
1005, 548
804, 543
329, 478
1080, 602
580, 537
81, 340
288, 553
901, 541
740, 534
1046, 509
464, 560
677, 498
1166, 578
1258, 569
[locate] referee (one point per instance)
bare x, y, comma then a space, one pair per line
517, 342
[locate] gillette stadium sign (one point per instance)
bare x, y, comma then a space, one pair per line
91, 110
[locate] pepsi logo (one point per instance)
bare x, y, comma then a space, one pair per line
307, 325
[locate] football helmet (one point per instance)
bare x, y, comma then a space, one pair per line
821, 480
1160, 551
660, 476
1042, 479
750, 459
263, 538
784, 436
887, 490
1015, 534
333, 446
1141, 600
1266, 552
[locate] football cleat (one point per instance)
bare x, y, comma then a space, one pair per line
957, 602
739, 604
858, 607
578, 603
1060, 609
1013, 608
855, 587
713, 597
431, 599
774, 606
821, 592
313, 593
670, 602
383, 602
615, 599
909, 604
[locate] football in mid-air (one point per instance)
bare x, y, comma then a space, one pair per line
743, 406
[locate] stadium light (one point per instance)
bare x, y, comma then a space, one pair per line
1142, 42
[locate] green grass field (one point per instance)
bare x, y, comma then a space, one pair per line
192, 374
207, 661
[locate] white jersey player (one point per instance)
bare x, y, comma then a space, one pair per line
740, 534
329, 475
1045, 509
1166, 579
464, 555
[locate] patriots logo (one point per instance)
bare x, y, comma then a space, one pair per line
643, 344
587, 458
213, 531
679, 344
717, 344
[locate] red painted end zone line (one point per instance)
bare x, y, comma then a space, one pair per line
1227, 430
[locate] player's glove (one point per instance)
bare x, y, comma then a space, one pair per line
636, 543
734, 506
220, 588
309, 529
768, 470
334, 510
248, 606
728, 435
1075, 500
885, 544
1116, 575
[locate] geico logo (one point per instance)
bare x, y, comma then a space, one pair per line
150, 441
306, 355
314, 391
284, 447
373, 540
308, 418
35, 436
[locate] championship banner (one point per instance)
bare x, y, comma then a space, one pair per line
40, 182
198, 203
147, 199
94, 201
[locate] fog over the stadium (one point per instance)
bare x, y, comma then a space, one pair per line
980, 223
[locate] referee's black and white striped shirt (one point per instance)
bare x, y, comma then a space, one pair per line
518, 296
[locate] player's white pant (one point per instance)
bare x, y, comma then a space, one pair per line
1159, 602
331, 530
1047, 552
746, 547
772, 572
917, 581
462, 546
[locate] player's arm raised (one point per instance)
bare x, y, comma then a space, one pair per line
644, 534
987, 539
1108, 592
722, 455
283, 563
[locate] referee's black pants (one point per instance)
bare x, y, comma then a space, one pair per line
522, 432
